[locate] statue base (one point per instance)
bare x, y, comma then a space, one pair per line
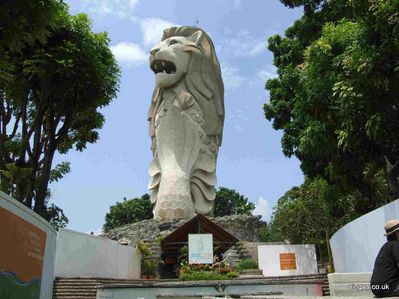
243, 227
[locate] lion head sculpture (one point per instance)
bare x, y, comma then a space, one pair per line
186, 119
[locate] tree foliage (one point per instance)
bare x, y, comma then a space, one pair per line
304, 211
55, 74
230, 202
25, 22
227, 202
336, 96
268, 233
128, 211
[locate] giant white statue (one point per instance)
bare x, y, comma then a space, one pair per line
186, 119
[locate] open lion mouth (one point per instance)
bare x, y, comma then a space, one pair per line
163, 66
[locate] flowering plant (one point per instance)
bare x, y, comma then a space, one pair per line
217, 270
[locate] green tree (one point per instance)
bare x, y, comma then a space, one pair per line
336, 96
304, 211
230, 202
311, 213
128, 211
56, 80
269, 234
26, 22
227, 202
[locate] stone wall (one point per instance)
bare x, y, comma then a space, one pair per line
243, 227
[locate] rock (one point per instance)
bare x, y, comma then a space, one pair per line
243, 227
124, 241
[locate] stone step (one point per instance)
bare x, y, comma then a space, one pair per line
80, 288
252, 272
67, 283
74, 288
89, 280
250, 276
67, 293
74, 297
230, 254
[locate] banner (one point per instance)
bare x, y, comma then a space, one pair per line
200, 249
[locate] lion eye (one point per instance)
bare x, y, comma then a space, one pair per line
172, 42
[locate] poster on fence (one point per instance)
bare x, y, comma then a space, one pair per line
200, 249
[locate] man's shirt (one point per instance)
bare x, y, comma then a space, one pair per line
386, 269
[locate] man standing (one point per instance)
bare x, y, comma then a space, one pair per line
385, 279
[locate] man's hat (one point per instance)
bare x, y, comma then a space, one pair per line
391, 226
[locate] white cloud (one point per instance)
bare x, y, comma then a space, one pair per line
262, 207
258, 48
269, 72
261, 76
153, 30
129, 54
119, 8
231, 77
236, 4
243, 44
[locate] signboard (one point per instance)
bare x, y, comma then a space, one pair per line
287, 261
21, 256
200, 249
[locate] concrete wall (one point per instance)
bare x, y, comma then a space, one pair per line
83, 255
356, 245
27, 251
269, 259
350, 284
211, 289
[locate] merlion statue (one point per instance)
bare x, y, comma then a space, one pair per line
186, 119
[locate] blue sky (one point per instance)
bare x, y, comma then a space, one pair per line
250, 158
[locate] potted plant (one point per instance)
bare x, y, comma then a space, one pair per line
149, 269
148, 266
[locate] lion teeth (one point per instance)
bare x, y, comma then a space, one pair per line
162, 66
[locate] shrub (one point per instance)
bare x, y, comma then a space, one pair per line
149, 267
216, 271
183, 255
144, 249
247, 264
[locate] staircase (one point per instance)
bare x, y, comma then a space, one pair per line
325, 286
231, 256
155, 248
241, 250
85, 288
80, 288
247, 250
